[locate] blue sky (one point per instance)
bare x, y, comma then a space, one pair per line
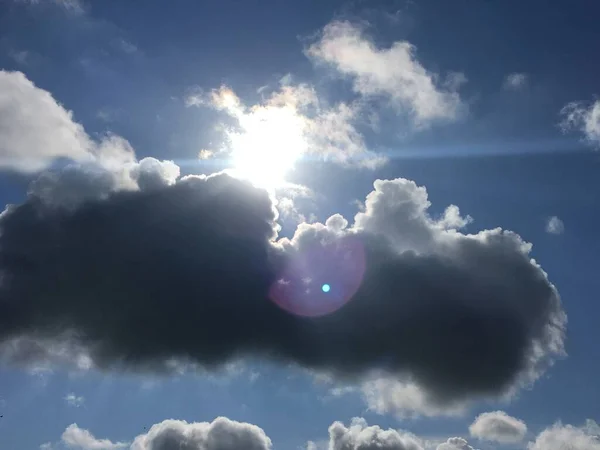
489, 106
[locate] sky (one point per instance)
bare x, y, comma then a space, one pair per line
283, 224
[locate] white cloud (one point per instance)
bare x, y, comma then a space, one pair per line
74, 400
584, 118
391, 73
561, 437
78, 438
555, 225
221, 434
360, 436
46, 446
455, 443
288, 124
35, 131
405, 400
515, 81
205, 154
497, 426
34, 128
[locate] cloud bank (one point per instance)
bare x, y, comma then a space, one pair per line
139, 278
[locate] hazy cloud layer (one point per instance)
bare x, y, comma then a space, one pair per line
499, 427
393, 74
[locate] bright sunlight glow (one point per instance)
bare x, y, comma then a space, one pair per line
271, 141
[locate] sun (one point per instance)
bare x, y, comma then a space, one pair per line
270, 142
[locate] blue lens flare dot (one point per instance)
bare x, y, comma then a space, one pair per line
325, 288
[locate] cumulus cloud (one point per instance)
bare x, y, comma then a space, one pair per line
138, 279
499, 427
360, 436
221, 434
455, 443
392, 73
584, 118
559, 437
555, 226
515, 81
78, 438
74, 400
116, 263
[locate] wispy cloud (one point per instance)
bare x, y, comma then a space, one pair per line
73, 400
583, 117
393, 74
515, 81
555, 225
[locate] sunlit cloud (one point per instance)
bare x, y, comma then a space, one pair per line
289, 124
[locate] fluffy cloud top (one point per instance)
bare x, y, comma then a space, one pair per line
499, 427
560, 437
393, 73
583, 118
360, 436
221, 434
184, 272
78, 438
455, 443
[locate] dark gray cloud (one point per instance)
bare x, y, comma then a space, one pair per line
191, 272
499, 427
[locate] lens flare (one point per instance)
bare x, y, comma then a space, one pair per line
304, 287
